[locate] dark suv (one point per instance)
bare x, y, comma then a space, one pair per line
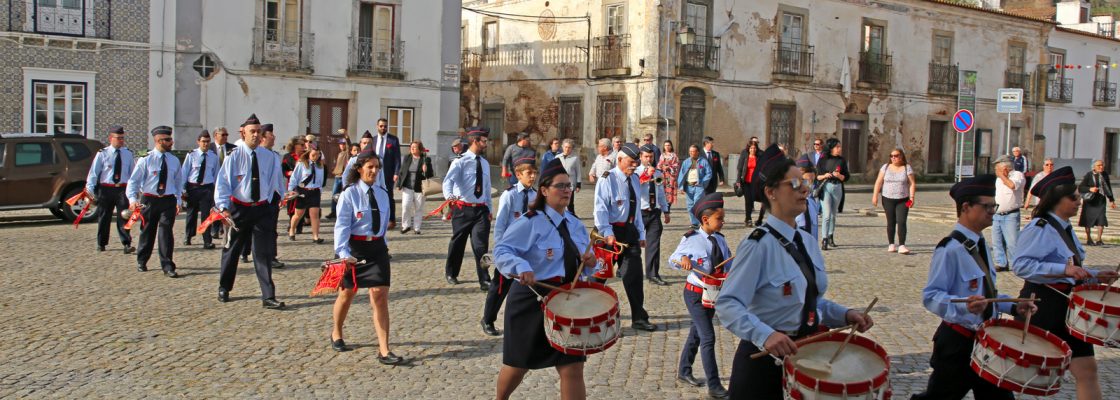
42, 171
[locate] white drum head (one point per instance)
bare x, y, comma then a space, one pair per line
582, 303
1013, 337
854, 364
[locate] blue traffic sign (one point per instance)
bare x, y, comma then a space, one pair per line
963, 121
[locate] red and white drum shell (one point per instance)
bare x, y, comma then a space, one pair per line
584, 322
1005, 361
1092, 320
711, 289
870, 380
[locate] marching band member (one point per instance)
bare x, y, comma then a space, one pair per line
654, 208
701, 250
359, 236
307, 182
108, 176
1049, 254
960, 269
468, 184
807, 220
512, 205
546, 244
775, 289
248, 180
199, 171
619, 219
154, 191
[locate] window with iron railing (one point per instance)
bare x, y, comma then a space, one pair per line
793, 59
1104, 93
611, 52
376, 57
1059, 90
78, 18
943, 78
875, 68
1017, 79
699, 57
282, 49
1106, 29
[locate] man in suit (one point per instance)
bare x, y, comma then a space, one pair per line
716, 161
221, 141
388, 148
818, 152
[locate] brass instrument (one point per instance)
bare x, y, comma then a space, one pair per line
597, 238
658, 181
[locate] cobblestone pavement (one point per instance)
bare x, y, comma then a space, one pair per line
78, 323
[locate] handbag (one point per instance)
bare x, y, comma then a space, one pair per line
1088, 196
738, 189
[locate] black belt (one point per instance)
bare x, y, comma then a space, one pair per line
1007, 212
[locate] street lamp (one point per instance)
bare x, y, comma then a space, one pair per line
686, 35
1052, 73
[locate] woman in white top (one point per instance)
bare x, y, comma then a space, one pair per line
1047, 168
306, 183
896, 186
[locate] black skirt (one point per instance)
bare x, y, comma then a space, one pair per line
312, 198
373, 267
1093, 214
525, 344
1051, 316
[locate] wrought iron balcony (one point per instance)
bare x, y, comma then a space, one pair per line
611, 55
943, 78
1015, 78
700, 58
282, 50
376, 58
1106, 29
1104, 93
875, 68
86, 18
793, 59
1060, 90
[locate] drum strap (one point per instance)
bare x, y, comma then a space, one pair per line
571, 252
1067, 237
982, 262
801, 257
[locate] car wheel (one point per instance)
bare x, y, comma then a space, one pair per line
69, 213
58, 213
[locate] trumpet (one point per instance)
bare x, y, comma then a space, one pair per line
597, 238
658, 181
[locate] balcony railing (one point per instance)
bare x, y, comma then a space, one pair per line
699, 58
470, 60
943, 78
1060, 90
611, 55
1104, 93
376, 57
793, 59
1016, 79
1106, 29
875, 68
282, 50
87, 18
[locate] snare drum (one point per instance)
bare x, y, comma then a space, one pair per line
583, 322
711, 289
860, 372
1092, 320
1035, 367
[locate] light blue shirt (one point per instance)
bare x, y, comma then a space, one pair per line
101, 170
459, 181
612, 202
300, 174
814, 209
698, 248
235, 177
533, 244
510, 207
355, 216
752, 304
643, 192
704, 172
193, 164
145, 177
953, 274
1041, 251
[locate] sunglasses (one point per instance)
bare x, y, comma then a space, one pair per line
797, 184
816, 144
1048, 165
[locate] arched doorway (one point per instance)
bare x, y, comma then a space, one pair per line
692, 119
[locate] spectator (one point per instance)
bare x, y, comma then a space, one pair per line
1047, 168
571, 162
1019, 161
818, 153
748, 159
1095, 188
694, 177
832, 171
1005, 224
415, 169
647, 139
716, 161
896, 185
521, 148
339, 169
603, 162
670, 165
616, 145
552, 152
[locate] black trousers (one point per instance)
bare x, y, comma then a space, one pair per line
896, 211
952, 375
495, 296
630, 269
475, 223
757, 379
158, 217
111, 201
275, 213
200, 199
255, 224
652, 220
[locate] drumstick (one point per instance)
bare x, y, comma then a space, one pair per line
802, 341
1004, 300
851, 332
556, 288
1106, 290
1027, 325
713, 269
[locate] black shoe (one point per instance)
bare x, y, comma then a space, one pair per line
331, 216
1002, 268
292, 238
416, 231
749, 223
128, 249
831, 241
488, 328
390, 359
318, 241
245, 259
717, 392
223, 295
141, 267
824, 244
100, 248
208, 246
690, 380
339, 346
272, 304
643, 326
406, 230
1100, 243
452, 280
659, 281
758, 223
187, 242
171, 274
484, 285
276, 264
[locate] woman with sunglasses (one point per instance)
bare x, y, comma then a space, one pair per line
896, 185
774, 292
1047, 168
1049, 254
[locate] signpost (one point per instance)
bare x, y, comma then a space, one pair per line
1009, 101
966, 103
